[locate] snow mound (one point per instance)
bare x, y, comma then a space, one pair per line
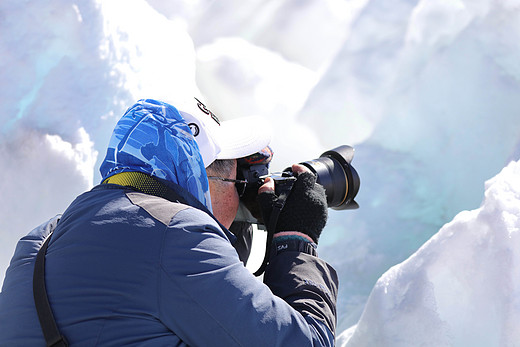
461, 288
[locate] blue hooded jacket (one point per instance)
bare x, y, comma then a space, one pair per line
126, 268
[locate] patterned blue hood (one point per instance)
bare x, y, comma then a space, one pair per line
152, 137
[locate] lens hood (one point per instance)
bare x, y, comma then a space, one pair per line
339, 178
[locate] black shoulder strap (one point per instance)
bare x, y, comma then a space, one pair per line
284, 191
47, 322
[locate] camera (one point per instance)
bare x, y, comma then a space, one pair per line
333, 171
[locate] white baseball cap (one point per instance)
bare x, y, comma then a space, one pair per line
231, 139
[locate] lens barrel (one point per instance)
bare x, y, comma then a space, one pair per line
339, 178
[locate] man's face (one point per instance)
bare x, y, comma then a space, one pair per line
224, 198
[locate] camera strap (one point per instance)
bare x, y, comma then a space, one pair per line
284, 191
52, 335
150, 185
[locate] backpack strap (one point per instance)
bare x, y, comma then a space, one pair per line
43, 308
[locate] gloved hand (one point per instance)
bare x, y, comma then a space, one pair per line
305, 209
251, 168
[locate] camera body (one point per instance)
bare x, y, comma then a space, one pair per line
333, 171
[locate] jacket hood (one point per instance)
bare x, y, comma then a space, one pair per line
152, 137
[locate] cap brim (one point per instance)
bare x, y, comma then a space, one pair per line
241, 137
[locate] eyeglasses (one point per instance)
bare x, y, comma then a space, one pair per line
240, 185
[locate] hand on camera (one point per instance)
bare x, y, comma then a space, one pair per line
305, 210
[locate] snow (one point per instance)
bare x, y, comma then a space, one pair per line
425, 90
461, 288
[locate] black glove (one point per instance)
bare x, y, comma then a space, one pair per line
305, 209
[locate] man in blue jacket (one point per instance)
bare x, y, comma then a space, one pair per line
146, 257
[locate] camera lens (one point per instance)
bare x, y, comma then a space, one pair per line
337, 176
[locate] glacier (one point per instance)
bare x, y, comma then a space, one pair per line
425, 90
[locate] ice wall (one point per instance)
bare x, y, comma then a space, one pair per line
429, 90
461, 288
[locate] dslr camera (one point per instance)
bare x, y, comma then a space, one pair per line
333, 171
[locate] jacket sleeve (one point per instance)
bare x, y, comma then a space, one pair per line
303, 280
208, 298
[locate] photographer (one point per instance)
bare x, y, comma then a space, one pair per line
146, 258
